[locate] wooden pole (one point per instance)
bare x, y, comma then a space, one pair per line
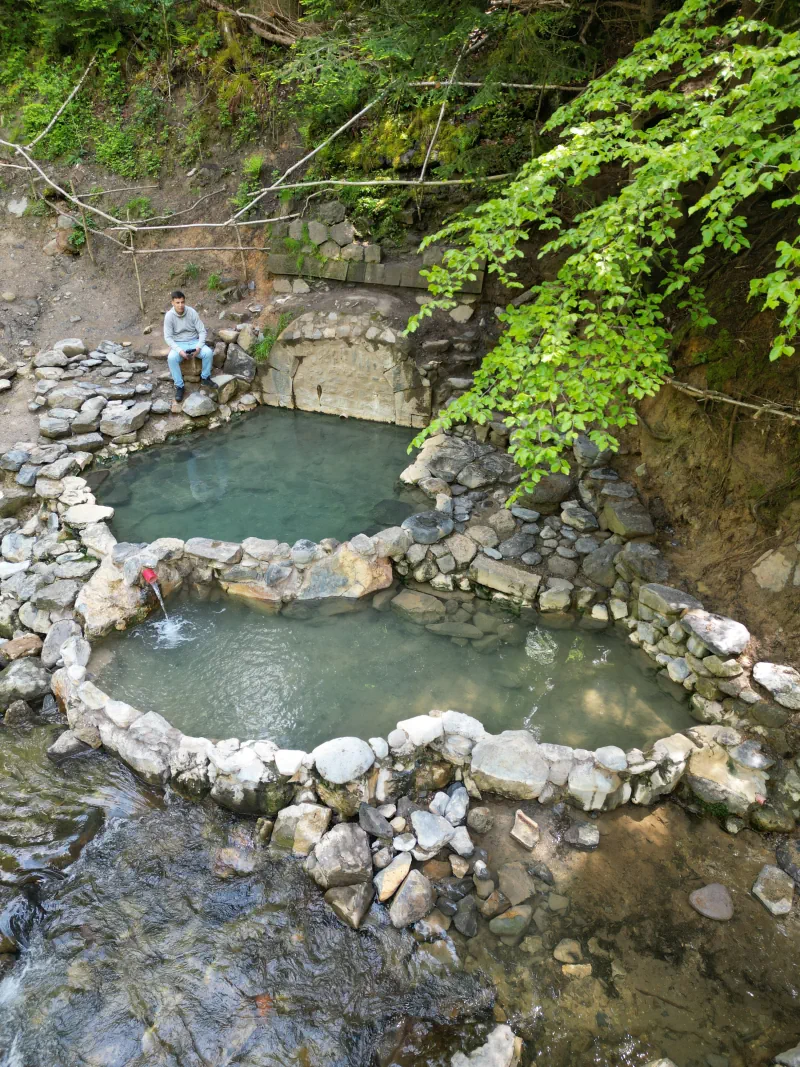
85, 224
241, 252
136, 268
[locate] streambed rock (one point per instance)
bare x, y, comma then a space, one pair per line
23, 679
502, 1049
713, 901
412, 901
300, 827
350, 903
341, 858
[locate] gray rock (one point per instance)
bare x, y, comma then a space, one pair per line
713, 901
24, 679
628, 518
465, 919
516, 545
52, 427
223, 552
579, 519
350, 903
552, 489
723, 636
14, 459
118, 421
773, 887
55, 597
85, 442
583, 835
781, 681
489, 469
413, 900
457, 806
239, 364
16, 547
480, 820
58, 635
588, 454
513, 922
19, 713
432, 831
66, 744
789, 1058
344, 759
342, 857
428, 527
666, 600
599, 565
300, 827
196, 406
510, 764
371, 820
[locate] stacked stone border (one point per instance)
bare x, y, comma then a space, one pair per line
731, 761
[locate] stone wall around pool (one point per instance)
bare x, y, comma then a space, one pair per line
736, 761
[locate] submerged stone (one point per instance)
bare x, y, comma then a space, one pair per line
713, 901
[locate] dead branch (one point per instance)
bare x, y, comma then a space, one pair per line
121, 189
712, 394
442, 110
265, 28
199, 248
500, 85
205, 225
58, 113
185, 211
346, 126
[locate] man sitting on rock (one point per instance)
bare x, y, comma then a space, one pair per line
185, 334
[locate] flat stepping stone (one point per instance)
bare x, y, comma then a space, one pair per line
713, 901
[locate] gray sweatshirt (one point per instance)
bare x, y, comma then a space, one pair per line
184, 328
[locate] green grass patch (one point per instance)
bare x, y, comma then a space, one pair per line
262, 348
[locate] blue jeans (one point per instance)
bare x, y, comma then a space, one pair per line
178, 353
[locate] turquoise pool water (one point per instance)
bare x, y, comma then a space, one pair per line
275, 473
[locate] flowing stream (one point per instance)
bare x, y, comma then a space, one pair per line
175, 939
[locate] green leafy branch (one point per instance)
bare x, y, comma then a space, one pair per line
697, 104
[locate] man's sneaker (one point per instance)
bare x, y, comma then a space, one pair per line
208, 386
180, 391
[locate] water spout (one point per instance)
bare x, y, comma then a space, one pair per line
151, 578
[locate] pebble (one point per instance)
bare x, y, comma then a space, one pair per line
568, 951
713, 901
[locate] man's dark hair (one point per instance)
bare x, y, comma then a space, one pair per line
176, 293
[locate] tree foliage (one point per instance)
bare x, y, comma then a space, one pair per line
679, 137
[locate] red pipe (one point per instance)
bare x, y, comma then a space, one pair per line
149, 575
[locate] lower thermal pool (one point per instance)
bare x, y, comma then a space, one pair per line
226, 669
275, 473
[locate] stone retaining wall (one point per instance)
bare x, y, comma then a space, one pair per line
557, 558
